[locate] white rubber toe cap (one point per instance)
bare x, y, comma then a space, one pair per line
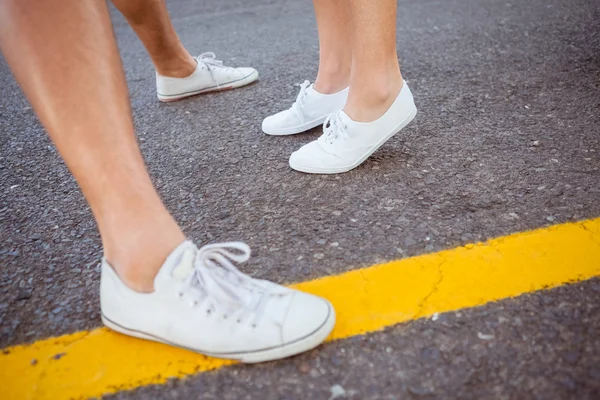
284, 122
308, 316
248, 73
271, 124
313, 158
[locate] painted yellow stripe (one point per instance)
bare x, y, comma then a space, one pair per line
87, 364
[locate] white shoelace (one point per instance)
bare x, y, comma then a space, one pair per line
213, 266
299, 103
209, 59
333, 129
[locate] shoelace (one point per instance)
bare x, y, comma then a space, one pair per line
209, 59
213, 264
299, 103
333, 129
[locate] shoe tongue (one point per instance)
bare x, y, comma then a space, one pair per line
179, 264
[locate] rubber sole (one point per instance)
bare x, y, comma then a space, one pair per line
324, 171
301, 345
301, 129
226, 86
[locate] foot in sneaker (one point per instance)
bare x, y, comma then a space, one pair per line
210, 76
345, 143
203, 303
310, 110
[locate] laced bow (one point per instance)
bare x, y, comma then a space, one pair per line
209, 59
213, 266
334, 128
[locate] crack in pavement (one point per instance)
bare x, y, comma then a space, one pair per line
433, 290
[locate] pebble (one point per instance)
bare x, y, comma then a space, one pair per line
337, 213
484, 336
418, 390
409, 242
318, 256
334, 244
429, 354
304, 368
550, 218
321, 241
335, 360
337, 391
24, 295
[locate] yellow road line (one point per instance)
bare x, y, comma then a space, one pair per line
87, 364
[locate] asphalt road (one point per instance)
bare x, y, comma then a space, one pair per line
507, 139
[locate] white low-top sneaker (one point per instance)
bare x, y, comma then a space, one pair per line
203, 303
345, 143
310, 110
210, 76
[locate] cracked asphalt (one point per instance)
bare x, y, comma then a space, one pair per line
507, 139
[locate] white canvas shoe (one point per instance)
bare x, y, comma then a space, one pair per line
345, 143
210, 76
203, 303
310, 110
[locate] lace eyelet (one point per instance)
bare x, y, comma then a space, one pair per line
253, 326
224, 316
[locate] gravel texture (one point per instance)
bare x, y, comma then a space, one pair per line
507, 139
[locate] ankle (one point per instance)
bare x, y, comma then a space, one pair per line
138, 253
332, 80
176, 67
367, 103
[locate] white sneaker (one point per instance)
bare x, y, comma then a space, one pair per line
310, 110
210, 76
203, 303
345, 143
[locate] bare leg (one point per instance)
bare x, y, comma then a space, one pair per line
150, 21
335, 45
375, 79
64, 55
